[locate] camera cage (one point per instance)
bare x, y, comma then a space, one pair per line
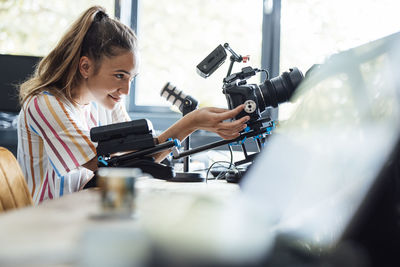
259, 127
234, 80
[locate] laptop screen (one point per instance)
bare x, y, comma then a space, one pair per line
319, 165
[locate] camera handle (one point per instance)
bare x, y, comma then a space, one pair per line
234, 58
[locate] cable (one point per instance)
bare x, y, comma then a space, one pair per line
263, 70
231, 152
219, 162
212, 165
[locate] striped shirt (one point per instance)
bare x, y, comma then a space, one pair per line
54, 142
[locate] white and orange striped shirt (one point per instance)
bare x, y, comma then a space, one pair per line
54, 142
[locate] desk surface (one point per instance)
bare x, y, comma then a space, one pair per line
52, 232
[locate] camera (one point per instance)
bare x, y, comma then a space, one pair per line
256, 98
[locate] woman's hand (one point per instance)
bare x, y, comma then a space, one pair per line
210, 119
213, 120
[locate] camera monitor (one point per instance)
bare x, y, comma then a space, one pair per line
324, 175
14, 70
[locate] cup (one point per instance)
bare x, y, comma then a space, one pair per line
117, 191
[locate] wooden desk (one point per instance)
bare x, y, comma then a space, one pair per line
52, 232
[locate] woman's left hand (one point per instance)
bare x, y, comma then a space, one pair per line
213, 119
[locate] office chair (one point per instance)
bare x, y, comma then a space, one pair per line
14, 191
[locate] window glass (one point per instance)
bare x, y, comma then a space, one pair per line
174, 36
312, 30
33, 27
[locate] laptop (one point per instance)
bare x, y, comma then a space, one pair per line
328, 174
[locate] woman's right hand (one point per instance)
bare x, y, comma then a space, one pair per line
214, 120
209, 119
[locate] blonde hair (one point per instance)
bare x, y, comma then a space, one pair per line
94, 35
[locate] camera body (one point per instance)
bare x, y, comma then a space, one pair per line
256, 98
237, 94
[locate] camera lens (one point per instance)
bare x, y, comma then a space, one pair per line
279, 89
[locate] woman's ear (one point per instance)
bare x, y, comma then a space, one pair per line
85, 66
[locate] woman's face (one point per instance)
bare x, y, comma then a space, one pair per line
111, 81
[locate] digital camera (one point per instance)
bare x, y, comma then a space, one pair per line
256, 98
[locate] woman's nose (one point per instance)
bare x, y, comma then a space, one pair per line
125, 88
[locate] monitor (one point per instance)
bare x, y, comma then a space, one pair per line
14, 70
323, 170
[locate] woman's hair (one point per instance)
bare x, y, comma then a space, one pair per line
94, 35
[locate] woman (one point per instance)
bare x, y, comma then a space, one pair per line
79, 85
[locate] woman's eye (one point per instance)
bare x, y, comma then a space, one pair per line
119, 76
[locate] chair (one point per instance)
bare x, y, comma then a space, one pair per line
14, 191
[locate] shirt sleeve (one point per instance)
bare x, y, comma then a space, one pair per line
119, 114
66, 140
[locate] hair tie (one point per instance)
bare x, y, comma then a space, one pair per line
100, 15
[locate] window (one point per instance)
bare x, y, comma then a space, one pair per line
33, 27
174, 36
312, 30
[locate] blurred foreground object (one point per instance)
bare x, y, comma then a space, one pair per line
118, 191
328, 182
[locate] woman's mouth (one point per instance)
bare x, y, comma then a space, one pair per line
116, 99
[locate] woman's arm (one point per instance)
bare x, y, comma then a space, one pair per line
210, 119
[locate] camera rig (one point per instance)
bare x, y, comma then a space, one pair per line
136, 138
256, 98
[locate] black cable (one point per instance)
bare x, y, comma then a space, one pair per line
265, 71
231, 152
219, 162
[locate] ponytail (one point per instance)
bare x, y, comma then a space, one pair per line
94, 35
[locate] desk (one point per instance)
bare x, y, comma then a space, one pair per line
52, 232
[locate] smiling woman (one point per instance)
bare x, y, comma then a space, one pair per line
80, 85
108, 83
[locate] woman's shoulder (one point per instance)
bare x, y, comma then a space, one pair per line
45, 104
45, 99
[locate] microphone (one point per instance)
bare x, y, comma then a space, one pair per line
176, 97
186, 104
